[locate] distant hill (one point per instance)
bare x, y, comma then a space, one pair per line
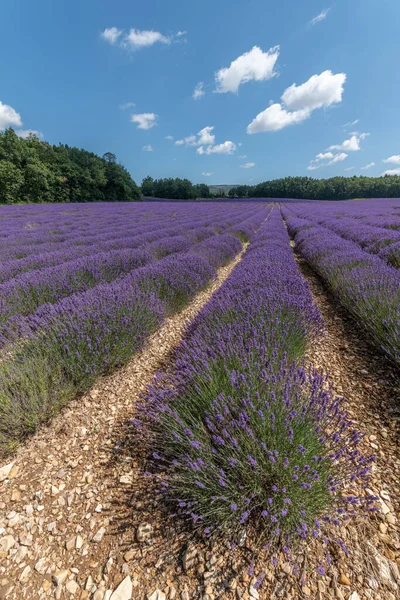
215, 189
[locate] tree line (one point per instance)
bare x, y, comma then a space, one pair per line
32, 170
174, 188
334, 188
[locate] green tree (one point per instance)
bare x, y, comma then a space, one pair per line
11, 181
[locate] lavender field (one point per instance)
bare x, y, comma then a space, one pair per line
243, 436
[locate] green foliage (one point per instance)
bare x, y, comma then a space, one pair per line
35, 171
335, 188
176, 189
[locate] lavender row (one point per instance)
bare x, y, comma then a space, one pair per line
382, 240
241, 438
59, 350
363, 283
20, 258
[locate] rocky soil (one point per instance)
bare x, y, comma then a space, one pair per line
79, 520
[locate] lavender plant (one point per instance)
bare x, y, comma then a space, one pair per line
241, 436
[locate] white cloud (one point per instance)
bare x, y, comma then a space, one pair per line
135, 38
323, 156
322, 15
298, 102
276, 117
111, 35
251, 179
243, 155
349, 169
206, 174
248, 165
145, 120
148, 148
25, 133
351, 124
187, 141
350, 145
368, 166
198, 91
9, 117
338, 158
392, 172
321, 160
181, 33
143, 39
395, 159
254, 65
319, 91
227, 147
168, 137
127, 105
205, 136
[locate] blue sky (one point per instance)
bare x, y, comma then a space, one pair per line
120, 76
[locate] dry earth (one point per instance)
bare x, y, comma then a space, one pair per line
79, 520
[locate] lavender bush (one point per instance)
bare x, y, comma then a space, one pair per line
241, 437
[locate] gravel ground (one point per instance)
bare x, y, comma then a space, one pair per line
78, 520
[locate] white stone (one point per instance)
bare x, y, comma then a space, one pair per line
99, 535
124, 590
156, 595
354, 596
6, 543
253, 592
5, 471
59, 577
72, 587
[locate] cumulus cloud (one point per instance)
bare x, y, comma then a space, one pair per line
25, 133
248, 165
326, 159
319, 91
134, 39
227, 147
368, 166
145, 120
127, 105
205, 136
168, 137
338, 158
111, 35
181, 33
9, 117
323, 156
143, 39
350, 145
322, 15
148, 148
206, 174
254, 65
243, 155
394, 160
198, 91
298, 102
275, 117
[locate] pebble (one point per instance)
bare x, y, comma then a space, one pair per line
124, 590
6, 543
253, 592
143, 532
354, 596
72, 587
99, 535
156, 595
59, 577
5, 471
344, 580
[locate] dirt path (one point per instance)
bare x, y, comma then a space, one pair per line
371, 386
68, 514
